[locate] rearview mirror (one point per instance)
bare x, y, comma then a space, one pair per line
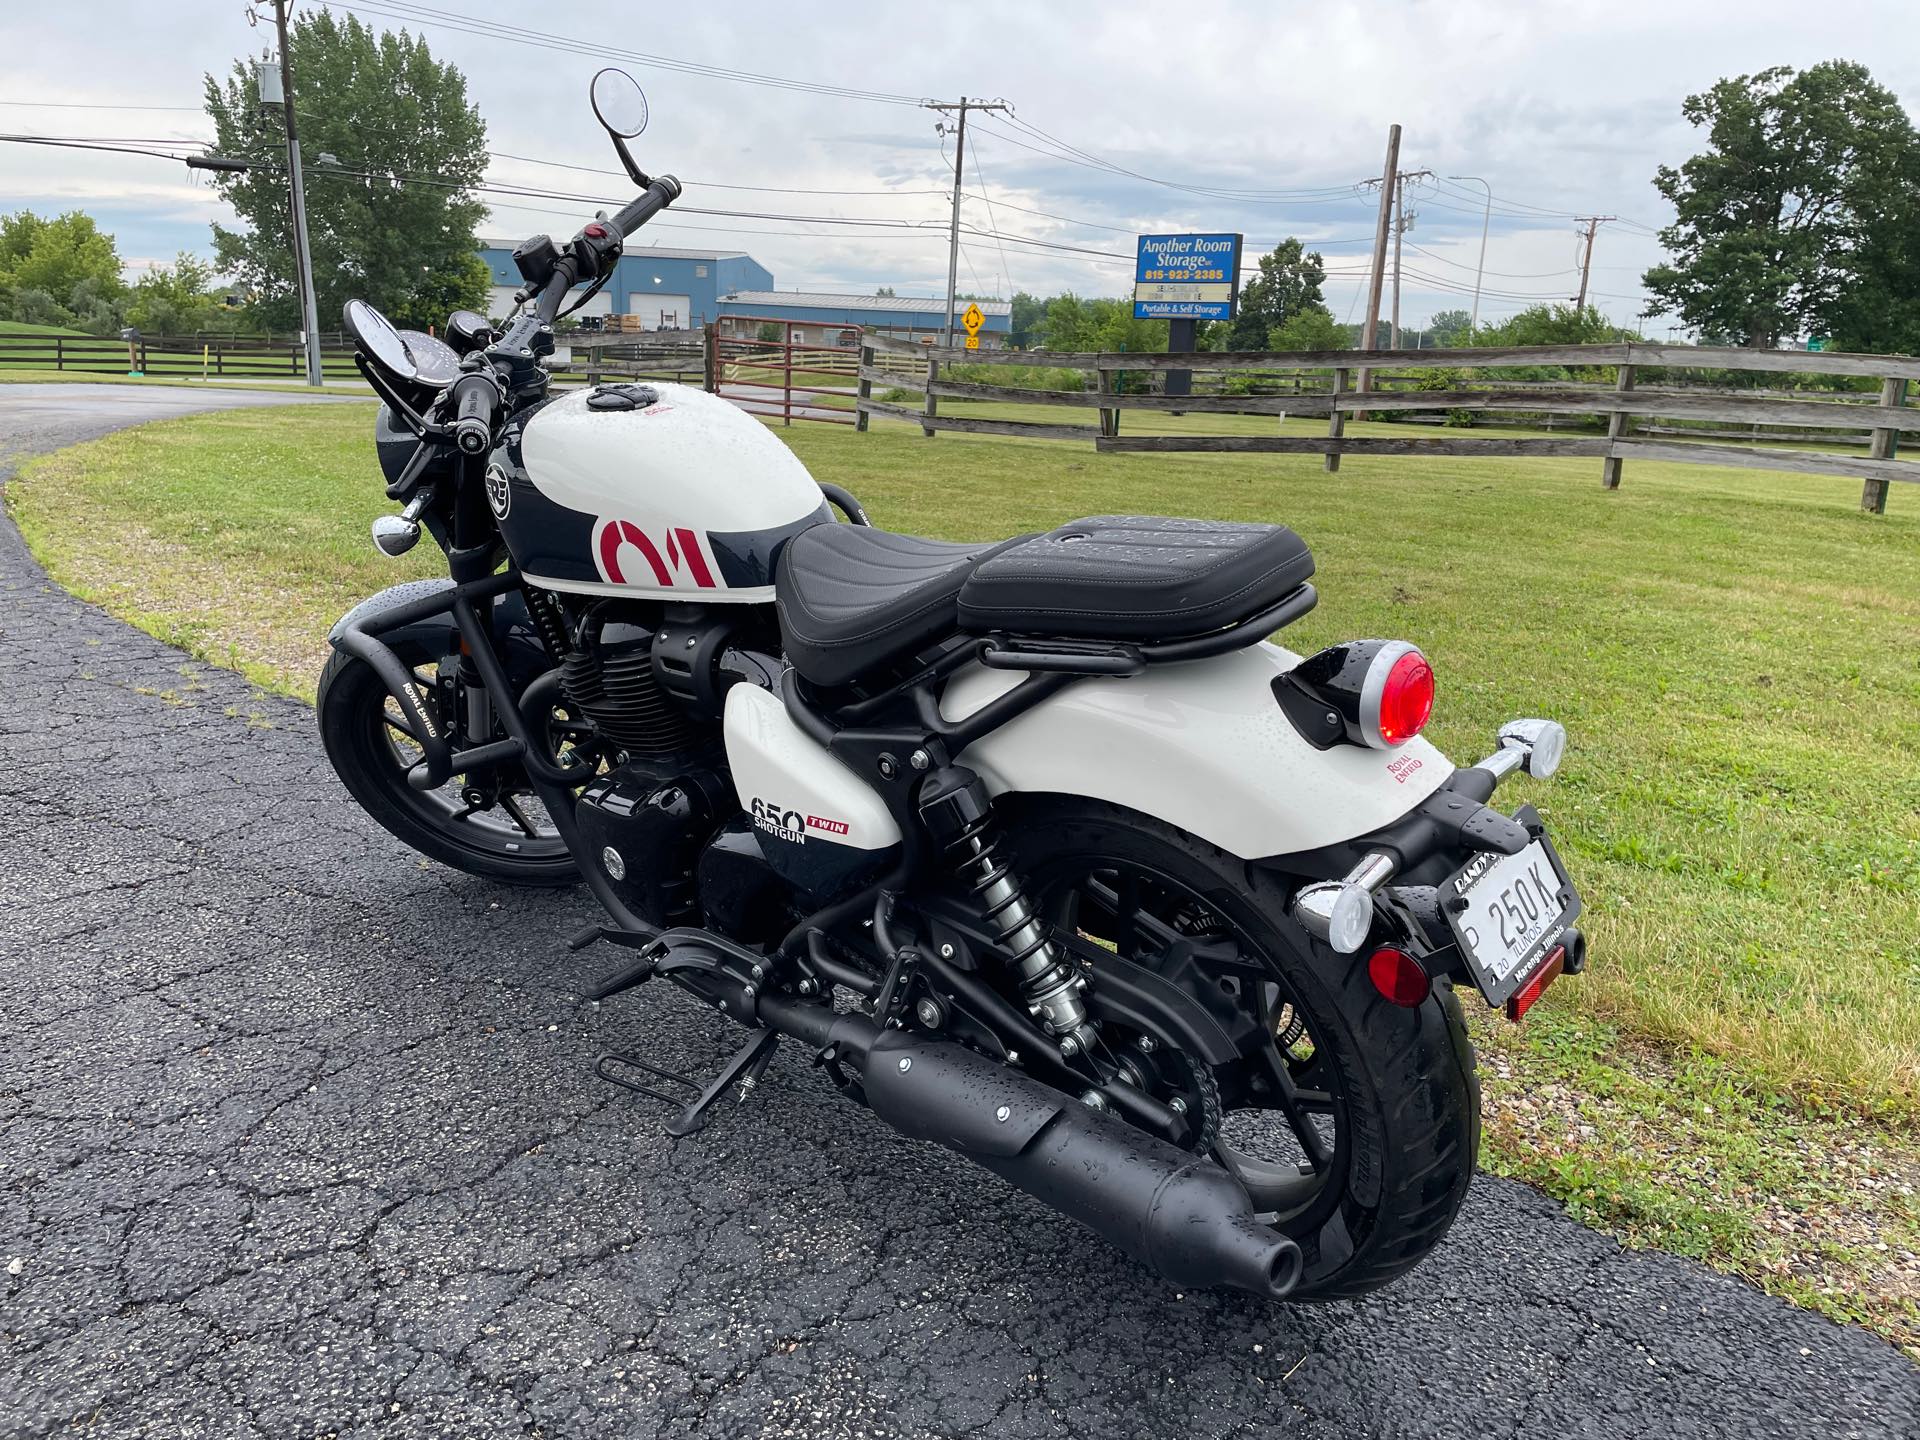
619, 103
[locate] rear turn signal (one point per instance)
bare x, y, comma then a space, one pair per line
1398, 976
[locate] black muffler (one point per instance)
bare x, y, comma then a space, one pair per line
1169, 1209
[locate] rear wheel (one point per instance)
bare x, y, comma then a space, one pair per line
491, 825
1353, 1123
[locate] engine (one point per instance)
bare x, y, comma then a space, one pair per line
663, 822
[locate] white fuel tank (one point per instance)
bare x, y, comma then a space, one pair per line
652, 490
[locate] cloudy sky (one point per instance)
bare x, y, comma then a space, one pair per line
1128, 118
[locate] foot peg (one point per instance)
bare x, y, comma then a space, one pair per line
743, 1070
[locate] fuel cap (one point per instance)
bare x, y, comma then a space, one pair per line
623, 397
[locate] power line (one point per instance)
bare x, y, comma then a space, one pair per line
429, 17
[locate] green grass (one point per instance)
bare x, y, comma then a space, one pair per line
21, 327
1735, 653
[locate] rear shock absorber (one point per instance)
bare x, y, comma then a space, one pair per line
957, 811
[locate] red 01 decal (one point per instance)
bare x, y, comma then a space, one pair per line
681, 552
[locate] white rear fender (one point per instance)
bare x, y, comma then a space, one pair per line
1201, 745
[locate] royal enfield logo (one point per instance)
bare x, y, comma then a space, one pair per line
680, 557
499, 491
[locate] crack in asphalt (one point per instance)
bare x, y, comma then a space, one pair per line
302, 1138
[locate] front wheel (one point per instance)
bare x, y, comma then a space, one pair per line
488, 825
1353, 1123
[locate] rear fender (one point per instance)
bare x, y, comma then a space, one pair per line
1201, 745
514, 635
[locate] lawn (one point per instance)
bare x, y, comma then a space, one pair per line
1735, 653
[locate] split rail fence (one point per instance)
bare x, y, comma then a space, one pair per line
1644, 385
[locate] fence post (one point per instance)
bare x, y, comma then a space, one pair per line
864, 390
710, 357
1616, 427
59, 354
1873, 496
1336, 417
1109, 419
786, 378
932, 407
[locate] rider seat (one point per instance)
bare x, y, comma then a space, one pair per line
853, 599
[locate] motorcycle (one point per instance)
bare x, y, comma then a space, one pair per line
1039, 846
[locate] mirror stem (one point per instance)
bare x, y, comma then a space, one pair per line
640, 177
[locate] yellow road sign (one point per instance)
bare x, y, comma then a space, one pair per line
973, 342
973, 320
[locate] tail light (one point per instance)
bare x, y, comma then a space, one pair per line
1377, 693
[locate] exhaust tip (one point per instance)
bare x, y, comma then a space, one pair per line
1283, 1270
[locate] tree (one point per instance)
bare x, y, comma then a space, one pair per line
1550, 325
1794, 185
1878, 309
175, 299
885, 292
1289, 281
1028, 313
1450, 327
1312, 328
392, 218
55, 256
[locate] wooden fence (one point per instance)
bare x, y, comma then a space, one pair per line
1341, 384
227, 357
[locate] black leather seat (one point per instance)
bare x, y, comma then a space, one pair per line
852, 598
1134, 577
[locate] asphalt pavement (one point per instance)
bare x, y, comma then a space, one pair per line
302, 1138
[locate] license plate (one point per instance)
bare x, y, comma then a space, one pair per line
1517, 907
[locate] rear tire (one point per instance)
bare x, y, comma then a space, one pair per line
1403, 1081
353, 715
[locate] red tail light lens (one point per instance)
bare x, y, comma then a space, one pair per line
1406, 698
1398, 976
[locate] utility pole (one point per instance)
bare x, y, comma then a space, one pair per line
1376, 276
302, 253
1393, 194
963, 105
1593, 224
1486, 222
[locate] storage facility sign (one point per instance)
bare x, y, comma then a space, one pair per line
1186, 277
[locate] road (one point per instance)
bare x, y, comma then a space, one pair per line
302, 1137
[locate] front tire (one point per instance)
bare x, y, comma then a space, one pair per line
510, 840
1401, 1096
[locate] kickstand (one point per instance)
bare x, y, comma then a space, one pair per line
744, 1070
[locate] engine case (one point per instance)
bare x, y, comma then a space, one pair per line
644, 830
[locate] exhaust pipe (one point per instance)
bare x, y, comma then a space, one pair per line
1174, 1211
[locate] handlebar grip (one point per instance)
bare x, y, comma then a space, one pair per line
475, 397
657, 197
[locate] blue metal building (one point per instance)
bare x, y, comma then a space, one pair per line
829, 319
667, 289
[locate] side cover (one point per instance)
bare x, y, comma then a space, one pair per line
821, 826
1203, 746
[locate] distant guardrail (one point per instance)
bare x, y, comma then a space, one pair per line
1341, 384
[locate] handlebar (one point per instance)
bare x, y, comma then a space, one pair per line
655, 198
475, 397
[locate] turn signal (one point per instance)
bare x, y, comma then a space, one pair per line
1398, 976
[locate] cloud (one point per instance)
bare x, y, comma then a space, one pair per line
1564, 109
